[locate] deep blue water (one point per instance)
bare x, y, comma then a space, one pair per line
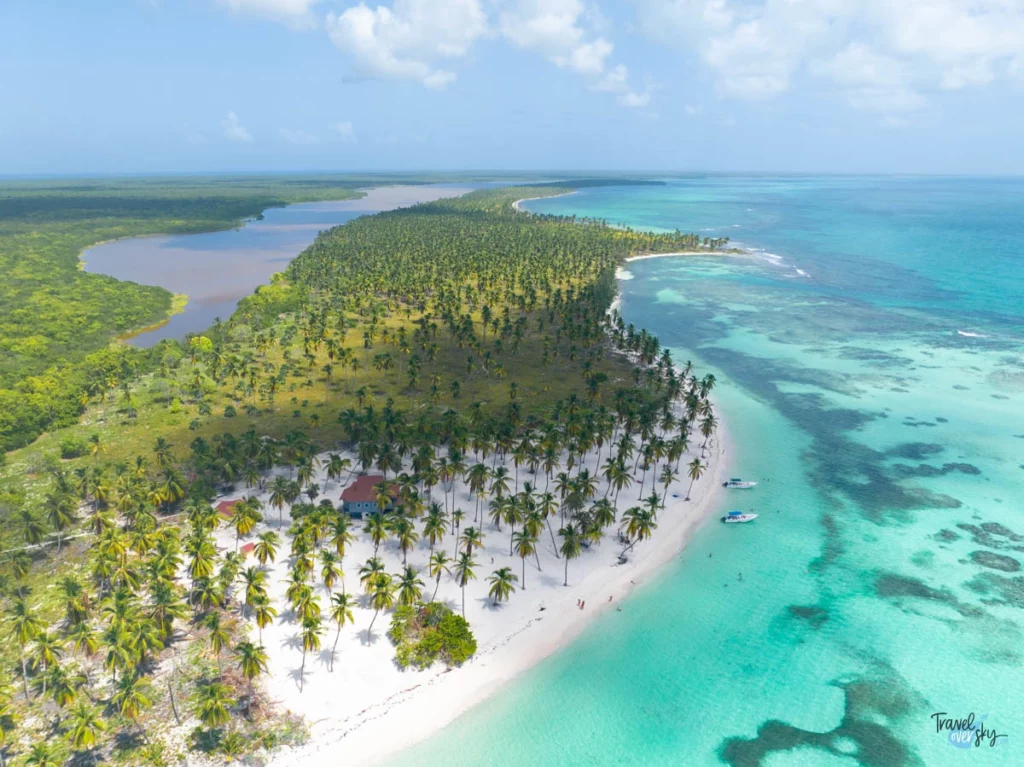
870, 356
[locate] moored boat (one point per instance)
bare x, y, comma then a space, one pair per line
739, 484
735, 517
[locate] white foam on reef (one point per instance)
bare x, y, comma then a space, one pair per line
623, 274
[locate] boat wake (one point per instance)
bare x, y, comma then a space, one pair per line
968, 334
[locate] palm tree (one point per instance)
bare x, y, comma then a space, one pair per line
132, 698
47, 652
266, 547
218, 636
264, 613
25, 627
410, 587
213, 699
44, 755
252, 661
310, 635
695, 473
232, 745
525, 545
341, 535
279, 493
438, 566
406, 535
471, 538
377, 527
86, 725
382, 596
571, 547
464, 574
330, 571
369, 571
640, 524
341, 613
245, 519
502, 583
435, 526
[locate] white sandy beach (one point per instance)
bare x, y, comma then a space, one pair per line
368, 709
679, 253
518, 203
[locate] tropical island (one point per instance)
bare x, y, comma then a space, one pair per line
428, 444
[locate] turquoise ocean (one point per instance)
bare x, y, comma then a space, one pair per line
870, 356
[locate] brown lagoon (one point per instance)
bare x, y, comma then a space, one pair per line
216, 269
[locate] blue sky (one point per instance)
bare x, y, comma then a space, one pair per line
138, 86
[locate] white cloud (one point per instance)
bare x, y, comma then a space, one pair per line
556, 30
234, 130
885, 55
405, 40
616, 80
872, 81
345, 132
298, 137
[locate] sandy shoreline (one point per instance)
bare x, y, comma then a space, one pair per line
369, 710
679, 253
517, 204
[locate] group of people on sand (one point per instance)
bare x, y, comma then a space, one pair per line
581, 603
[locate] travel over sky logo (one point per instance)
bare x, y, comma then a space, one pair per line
968, 732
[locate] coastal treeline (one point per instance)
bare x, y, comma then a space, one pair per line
439, 345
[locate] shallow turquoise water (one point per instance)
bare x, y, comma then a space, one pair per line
870, 356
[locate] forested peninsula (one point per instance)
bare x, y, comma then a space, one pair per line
459, 346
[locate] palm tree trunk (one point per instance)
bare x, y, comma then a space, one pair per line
437, 585
547, 521
24, 674
302, 670
524, 573
334, 649
375, 614
174, 705
566, 572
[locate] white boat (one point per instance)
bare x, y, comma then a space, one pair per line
739, 484
735, 517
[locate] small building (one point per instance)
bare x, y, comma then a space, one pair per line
246, 550
226, 510
360, 498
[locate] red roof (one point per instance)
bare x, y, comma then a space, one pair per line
247, 549
226, 509
363, 489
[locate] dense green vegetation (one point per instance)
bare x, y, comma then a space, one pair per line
431, 343
56, 320
426, 633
